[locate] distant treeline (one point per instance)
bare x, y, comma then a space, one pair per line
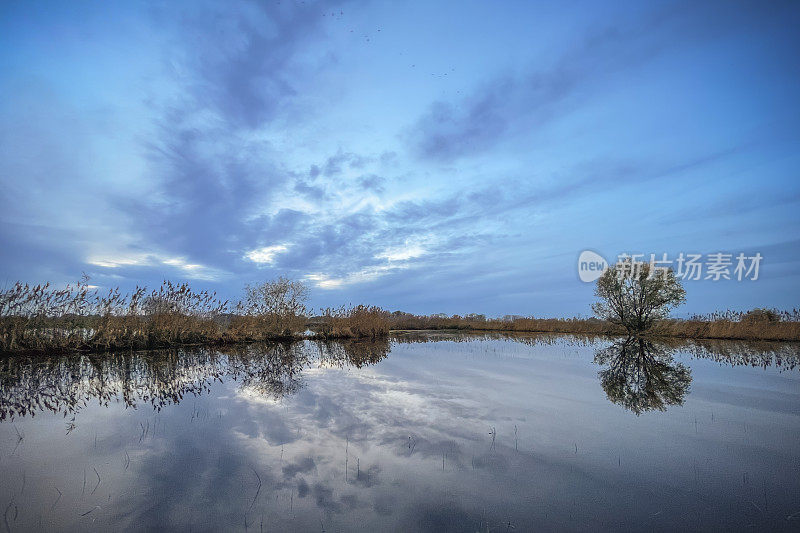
757, 324
45, 319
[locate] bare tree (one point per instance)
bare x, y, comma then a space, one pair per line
280, 296
635, 296
279, 306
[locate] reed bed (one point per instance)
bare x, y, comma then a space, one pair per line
723, 329
46, 319
41, 318
591, 326
361, 321
757, 324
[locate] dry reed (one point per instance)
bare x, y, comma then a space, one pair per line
757, 324
352, 322
45, 319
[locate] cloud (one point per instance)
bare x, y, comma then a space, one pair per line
302, 466
513, 105
390, 260
402, 253
208, 142
246, 72
186, 269
372, 182
335, 163
265, 254
365, 275
214, 170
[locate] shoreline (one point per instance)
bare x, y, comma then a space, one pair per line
656, 334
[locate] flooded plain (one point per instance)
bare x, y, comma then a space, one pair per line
420, 432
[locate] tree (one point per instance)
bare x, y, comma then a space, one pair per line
635, 296
761, 315
277, 307
282, 297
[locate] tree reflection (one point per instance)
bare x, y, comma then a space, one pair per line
355, 353
67, 383
639, 375
642, 376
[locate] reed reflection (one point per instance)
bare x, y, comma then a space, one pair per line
67, 383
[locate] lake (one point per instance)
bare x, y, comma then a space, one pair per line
421, 432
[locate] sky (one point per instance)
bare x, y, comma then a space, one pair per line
421, 156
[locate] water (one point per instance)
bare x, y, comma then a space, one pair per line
436, 432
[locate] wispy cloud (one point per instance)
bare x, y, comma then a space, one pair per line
178, 264
265, 254
229, 142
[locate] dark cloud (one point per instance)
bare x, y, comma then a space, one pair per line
300, 467
335, 164
324, 498
372, 182
302, 488
204, 198
181, 472
367, 477
240, 55
313, 192
323, 181
213, 174
514, 104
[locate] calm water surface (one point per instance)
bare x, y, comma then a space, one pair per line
426, 432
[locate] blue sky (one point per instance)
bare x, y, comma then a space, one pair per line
424, 156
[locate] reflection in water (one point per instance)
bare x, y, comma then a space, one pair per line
642, 376
764, 354
451, 432
66, 383
530, 339
781, 355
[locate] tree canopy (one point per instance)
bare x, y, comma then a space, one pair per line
635, 295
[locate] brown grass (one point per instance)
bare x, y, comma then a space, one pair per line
724, 329
592, 326
361, 321
757, 324
40, 318
44, 319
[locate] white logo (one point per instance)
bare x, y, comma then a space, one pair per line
591, 266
